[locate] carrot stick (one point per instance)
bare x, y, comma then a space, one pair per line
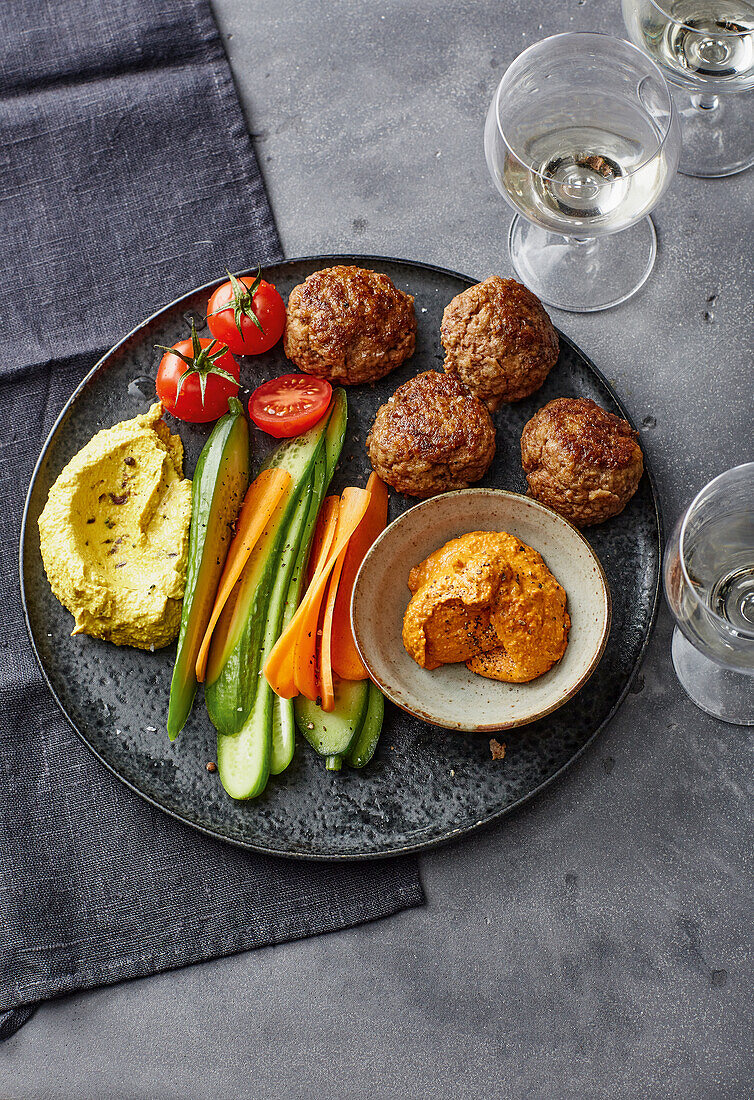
279, 668
230, 625
354, 503
261, 500
324, 533
326, 687
296, 646
346, 661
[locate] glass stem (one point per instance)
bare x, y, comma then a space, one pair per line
707, 102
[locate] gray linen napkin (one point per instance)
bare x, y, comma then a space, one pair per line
127, 178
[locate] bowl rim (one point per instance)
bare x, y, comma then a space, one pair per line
485, 728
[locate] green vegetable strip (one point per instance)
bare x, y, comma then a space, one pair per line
283, 734
363, 748
288, 557
219, 484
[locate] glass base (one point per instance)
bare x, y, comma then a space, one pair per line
718, 133
582, 276
721, 692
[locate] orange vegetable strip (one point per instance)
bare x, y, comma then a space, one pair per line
305, 648
324, 533
279, 668
304, 655
261, 500
295, 649
231, 622
346, 661
326, 686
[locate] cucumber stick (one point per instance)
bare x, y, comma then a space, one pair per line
283, 734
283, 721
364, 745
290, 582
220, 481
240, 702
235, 656
324, 468
332, 733
335, 432
351, 731
245, 756
235, 664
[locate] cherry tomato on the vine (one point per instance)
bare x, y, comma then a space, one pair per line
247, 314
195, 379
289, 405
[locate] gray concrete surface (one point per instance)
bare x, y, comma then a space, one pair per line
596, 944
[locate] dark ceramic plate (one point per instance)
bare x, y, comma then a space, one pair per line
425, 785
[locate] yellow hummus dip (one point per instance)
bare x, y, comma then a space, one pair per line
488, 599
114, 534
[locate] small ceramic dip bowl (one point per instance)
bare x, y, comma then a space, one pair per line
451, 696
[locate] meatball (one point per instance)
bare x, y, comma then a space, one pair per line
498, 340
581, 461
431, 436
349, 325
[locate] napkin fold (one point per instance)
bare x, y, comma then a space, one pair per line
128, 177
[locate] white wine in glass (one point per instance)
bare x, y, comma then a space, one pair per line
709, 585
706, 50
569, 193
581, 139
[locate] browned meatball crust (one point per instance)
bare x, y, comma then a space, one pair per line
431, 436
349, 325
581, 461
498, 340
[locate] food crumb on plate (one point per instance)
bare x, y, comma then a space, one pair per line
497, 750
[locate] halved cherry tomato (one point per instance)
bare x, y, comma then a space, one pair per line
290, 404
247, 314
195, 378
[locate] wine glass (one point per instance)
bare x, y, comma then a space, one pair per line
709, 585
582, 139
706, 50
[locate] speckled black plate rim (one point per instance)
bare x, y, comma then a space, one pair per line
405, 849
